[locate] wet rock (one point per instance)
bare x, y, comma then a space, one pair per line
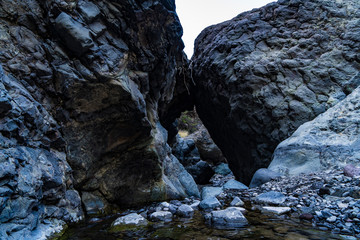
234, 185
263, 175
208, 192
185, 211
276, 210
130, 219
161, 216
271, 197
231, 217
237, 202
331, 219
210, 203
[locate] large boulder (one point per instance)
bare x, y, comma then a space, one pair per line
329, 141
92, 83
264, 73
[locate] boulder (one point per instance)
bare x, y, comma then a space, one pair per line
262, 74
328, 141
263, 175
272, 197
231, 217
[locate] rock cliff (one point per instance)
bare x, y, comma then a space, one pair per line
262, 74
85, 87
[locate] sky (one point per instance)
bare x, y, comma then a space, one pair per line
195, 15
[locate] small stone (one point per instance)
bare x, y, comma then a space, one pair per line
228, 218
324, 191
276, 210
234, 185
195, 204
210, 203
185, 211
351, 171
130, 219
161, 216
237, 202
331, 219
306, 216
271, 197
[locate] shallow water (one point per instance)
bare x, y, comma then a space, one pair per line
260, 227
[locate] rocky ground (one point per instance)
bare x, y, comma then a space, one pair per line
328, 200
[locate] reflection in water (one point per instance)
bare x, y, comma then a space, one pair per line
260, 227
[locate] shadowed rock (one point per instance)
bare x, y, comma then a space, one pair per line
264, 73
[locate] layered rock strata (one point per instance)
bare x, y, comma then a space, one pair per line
264, 73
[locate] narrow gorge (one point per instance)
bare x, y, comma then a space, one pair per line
93, 93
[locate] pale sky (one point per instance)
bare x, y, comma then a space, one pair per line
195, 15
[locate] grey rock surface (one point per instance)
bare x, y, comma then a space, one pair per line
210, 203
130, 219
231, 217
234, 185
264, 73
36, 188
161, 216
90, 86
263, 175
208, 192
271, 197
185, 211
329, 141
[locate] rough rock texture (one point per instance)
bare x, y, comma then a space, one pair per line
186, 151
329, 141
36, 186
264, 73
208, 150
94, 81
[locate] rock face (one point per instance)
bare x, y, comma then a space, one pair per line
330, 140
90, 83
36, 187
264, 73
